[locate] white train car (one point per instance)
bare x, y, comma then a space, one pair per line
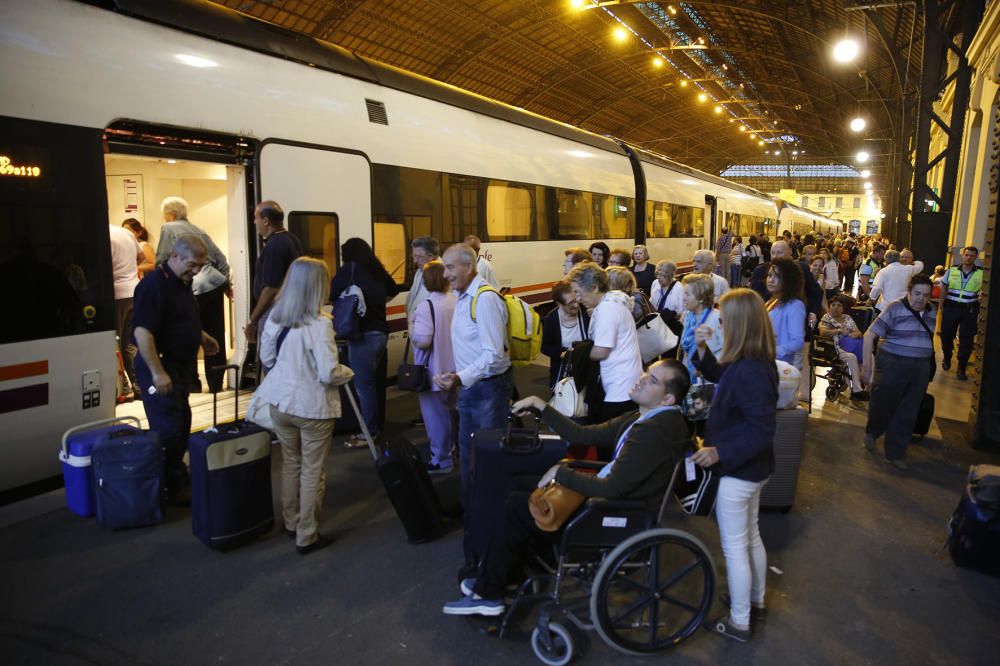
802, 221
106, 112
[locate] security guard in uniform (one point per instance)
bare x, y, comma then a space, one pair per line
869, 269
961, 309
167, 330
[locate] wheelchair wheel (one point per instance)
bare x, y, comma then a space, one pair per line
652, 591
555, 649
832, 392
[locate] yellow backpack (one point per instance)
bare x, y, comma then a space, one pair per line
524, 327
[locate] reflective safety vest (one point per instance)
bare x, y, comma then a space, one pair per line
875, 268
967, 293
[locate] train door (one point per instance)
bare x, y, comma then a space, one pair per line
719, 221
711, 206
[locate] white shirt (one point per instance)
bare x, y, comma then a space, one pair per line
721, 286
570, 334
892, 282
124, 261
418, 294
480, 345
485, 270
612, 326
299, 382
831, 274
675, 299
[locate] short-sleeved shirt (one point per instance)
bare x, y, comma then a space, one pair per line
124, 261
166, 307
281, 248
901, 333
612, 326
847, 327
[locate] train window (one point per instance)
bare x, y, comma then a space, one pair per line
805, 201
657, 219
573, 214
465, 205
510, 211
53, 231
390, 246
318, 234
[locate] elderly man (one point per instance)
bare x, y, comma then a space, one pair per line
869, 269
482, 366
645, 446
483, 266
704, 262
209, 285
892, 282
168, 334
422, 249
723, 248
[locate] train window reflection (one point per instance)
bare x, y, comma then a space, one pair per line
318, 233
510, 212
390, 246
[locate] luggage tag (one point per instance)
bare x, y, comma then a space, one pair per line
689, 471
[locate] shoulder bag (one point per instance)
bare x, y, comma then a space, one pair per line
412, 376
654, 336
346, 317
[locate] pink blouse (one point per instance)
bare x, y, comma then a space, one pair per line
439, 358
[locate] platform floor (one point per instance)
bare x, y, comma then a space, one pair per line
859, 574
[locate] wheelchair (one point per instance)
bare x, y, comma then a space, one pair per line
824, 354
641, 587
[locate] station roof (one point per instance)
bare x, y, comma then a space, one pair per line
680, 78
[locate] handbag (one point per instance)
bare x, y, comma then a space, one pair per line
567, 400
413, 376
655, 336
346, 316
552, 505
697, 496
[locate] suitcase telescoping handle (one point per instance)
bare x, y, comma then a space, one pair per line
361, 419
507, 443
97, 424
215, 395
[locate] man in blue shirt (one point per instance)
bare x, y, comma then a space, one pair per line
167, 330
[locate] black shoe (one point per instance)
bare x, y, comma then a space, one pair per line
419, 421
322, 541
961, 375
860, 396
288, 533
757, 614
723, 627
435, 468
946, 364
195, 387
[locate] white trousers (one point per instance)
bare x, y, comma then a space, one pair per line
852, 364
736, 509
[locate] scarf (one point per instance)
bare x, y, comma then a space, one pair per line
687, 337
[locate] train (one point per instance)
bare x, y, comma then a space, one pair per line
109, 107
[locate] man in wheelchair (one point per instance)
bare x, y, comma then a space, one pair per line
644, 446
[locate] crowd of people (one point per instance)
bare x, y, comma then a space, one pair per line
735, 314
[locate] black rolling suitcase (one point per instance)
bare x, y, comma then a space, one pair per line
231, 498
503, 461
863, 316
406, 481
974, 529
924, 417
348, 421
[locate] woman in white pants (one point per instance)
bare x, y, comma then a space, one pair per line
298, 343
739, 437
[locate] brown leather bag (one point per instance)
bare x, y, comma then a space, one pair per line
552, 505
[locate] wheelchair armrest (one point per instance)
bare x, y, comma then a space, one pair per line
573, 463
606, 504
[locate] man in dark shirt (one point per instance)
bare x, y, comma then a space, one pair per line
167, 330
814, 293
280, 249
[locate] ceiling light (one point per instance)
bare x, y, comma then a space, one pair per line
621, 34
862, 156
866, 173
684, 83
760, 143
858, 124
577, 4
732, 120
868, 186
718, 109
657, 62
795, 152
702, 97
171, 161
743, 128
195, 61
672, 10
846, 50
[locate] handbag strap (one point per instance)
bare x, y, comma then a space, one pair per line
406, 349
919, 318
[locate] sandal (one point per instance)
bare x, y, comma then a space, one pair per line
355, 442
723, 627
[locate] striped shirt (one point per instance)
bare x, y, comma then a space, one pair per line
480, 345
901, 333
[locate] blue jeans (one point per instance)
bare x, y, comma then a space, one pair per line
363, 357
485, 404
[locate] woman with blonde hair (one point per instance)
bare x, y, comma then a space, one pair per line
645, 272
738, 446
699, 297
298, 344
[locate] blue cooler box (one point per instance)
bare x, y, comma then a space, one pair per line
77, 443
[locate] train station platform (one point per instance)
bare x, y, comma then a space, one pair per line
858, 573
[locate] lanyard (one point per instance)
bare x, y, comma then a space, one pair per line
647, 415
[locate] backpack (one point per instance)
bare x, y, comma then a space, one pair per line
524, 327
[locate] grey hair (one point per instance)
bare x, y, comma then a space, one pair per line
644, 249
622, 279
175, 206
305, 290
589, 276
189, 245
666, 266
891, 257
705, 253
428, 244
467, 253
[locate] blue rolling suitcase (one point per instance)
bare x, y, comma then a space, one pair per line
230, 481
128, 478
974, 528
78, 477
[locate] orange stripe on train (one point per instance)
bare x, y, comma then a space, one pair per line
21, 370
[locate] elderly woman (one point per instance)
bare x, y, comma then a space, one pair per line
667, 296
431, 335
903, 368
787, 310
298, 343
621, 279
619, 257
841, 328
699, 297
612, 329
600, 253
644, 272
566, 324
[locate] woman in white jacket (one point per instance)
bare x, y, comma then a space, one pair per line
298, 344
